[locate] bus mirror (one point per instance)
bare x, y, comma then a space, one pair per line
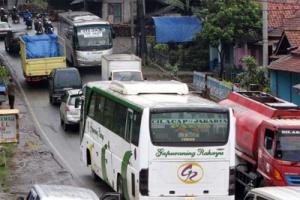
77, 102
111, 196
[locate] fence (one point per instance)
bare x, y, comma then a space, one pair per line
213, 87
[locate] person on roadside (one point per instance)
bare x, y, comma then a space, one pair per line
11, 89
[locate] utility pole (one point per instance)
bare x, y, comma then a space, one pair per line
142, 34
265, 32
132, 26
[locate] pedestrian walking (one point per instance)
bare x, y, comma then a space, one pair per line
11, 89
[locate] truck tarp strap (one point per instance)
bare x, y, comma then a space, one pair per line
176, 29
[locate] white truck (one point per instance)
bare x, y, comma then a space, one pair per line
122, 67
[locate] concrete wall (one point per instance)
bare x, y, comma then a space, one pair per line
126, 14
282, 83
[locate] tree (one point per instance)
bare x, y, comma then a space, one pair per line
229, 22
253, 74
187, 7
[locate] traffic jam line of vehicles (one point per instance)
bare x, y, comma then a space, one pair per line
154, 139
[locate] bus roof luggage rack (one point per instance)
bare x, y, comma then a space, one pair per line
149, 87
269, 100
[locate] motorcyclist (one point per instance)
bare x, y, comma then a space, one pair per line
39, 28
27, 14
14, 15
2, 11
29, 23
14, 10
4, 17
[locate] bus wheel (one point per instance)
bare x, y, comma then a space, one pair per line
120, 187
95, 176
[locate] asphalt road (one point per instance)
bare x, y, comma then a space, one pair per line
65, 145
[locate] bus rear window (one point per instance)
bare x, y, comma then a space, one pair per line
189, 128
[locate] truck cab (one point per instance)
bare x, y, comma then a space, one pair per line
279, 152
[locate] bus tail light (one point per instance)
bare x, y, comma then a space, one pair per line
231, 190
144, 175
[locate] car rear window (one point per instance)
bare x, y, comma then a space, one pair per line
72, 100
68, 79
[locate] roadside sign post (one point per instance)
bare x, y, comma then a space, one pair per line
9, 126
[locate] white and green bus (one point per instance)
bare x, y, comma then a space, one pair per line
155, 140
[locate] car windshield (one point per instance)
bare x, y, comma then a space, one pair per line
4, 25
288, 145
189, 128
94, 37
72, 100
127, 76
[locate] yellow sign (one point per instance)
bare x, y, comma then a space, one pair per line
190, 173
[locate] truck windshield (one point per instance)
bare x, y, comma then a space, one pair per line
94, 37
127, 76
288, 145
189, 128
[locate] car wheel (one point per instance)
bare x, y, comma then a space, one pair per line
51, 100
65, 126
6, 47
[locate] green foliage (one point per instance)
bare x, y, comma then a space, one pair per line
253, 75
42, 4
3, 74
161, 47
229, 22
183, 5
173, 69
5, 171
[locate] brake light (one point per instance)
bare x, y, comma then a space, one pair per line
144, 175
67, 109
231, 190
277, 175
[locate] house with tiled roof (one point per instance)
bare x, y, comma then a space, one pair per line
283, 26
285, 75
285, 67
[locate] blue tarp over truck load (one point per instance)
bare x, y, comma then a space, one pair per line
41, 46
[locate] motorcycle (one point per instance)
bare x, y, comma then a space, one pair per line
15, 18
49, 29
28, 23
4, 18
39, 28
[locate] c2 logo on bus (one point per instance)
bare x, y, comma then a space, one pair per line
190, 173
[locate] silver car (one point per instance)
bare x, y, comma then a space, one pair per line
69, 115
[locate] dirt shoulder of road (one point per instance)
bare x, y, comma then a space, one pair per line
33, 161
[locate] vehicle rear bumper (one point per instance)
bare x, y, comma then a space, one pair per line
72, 120
190, 198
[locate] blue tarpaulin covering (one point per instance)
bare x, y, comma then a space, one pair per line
41, 46
176, 28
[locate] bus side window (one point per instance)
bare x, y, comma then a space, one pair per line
91, 112
135, 133
119, 120
128, 125
109, 108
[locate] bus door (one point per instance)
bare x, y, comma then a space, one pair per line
130, 161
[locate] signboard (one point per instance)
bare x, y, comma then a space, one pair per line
91, 32
9, 126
